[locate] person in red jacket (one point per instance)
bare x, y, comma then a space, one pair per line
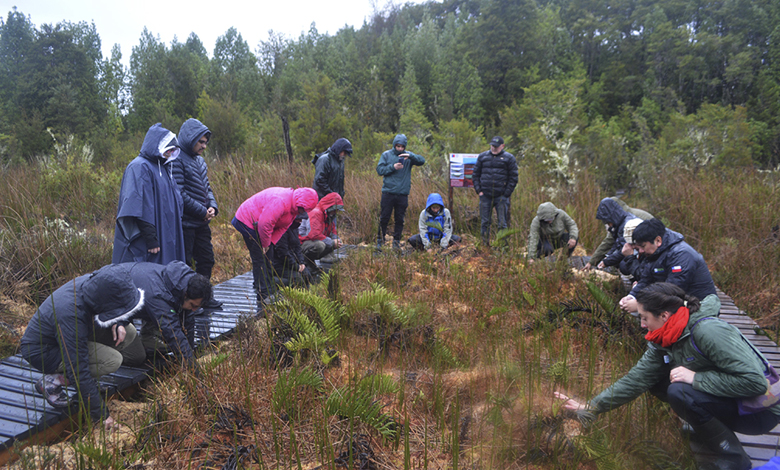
320, 237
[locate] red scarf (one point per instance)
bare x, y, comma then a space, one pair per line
671, 330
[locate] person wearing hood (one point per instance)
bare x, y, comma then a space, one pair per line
319, 235
78, 330
708, 372
395, 168
608, 244
495, 177
611, 214
329, 168
666, 257
149, 213
192, 176
262, 220
552, 228
287, 256
435, 226
172, 293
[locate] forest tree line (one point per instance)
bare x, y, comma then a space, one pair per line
618, 88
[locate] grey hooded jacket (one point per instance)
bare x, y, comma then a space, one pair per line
191, 174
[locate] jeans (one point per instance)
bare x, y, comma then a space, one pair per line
198, 249
486, 205
392, 202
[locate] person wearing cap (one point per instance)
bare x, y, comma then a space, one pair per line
149, 213
395, 168
262, 220
287, 256
552, 228
319, 235
76, 335
495, 178
666, 257
435, 226
329, 168
608, 244
192, 177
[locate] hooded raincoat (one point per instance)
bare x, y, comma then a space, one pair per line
561, 223
191, 174
608, 243
149, 195
320, 225
271, 211
69, 318
610, 212
435, 228
397, 181
329, 169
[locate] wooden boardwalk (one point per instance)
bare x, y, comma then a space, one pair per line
25, 415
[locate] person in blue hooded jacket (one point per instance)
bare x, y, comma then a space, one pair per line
664, 256
149, 213
615, 218
395, 168
191, 174
435, 225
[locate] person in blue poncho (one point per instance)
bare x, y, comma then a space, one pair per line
148, 219
435, 226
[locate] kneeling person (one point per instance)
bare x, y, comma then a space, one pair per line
78, 330
322, 237
435, 225
552, 228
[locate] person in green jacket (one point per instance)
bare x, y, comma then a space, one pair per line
395, 168
552, 228
710, 375
609, 240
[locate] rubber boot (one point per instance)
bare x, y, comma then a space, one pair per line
716, 447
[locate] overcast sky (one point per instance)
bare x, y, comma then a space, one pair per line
123, 21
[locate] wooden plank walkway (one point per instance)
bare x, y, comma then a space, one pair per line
764, 447
24, 413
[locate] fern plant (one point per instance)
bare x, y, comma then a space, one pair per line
356, 401
287, 389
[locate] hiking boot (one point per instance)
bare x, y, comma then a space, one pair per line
51, 387
715, 446
396, 245
330, 258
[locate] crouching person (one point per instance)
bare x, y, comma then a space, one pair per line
322, 237
435, 226
76, 334
173, 293
710, 375
287, 256
552, 228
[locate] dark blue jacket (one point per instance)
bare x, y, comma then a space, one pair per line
68, 318
165, 287
191, 174
609, 211
150, 194
329, 169
676, 262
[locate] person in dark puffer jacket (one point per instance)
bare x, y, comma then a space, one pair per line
79, 329
666, 257
191, 174
495, 177
329, 169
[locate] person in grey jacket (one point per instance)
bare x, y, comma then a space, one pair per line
192, 176
495, 177
173, 293
709, 373
552, 228
395, 168
79, 329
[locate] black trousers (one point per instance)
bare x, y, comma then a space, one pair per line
392, 202
198, 249
262, 269
546, 246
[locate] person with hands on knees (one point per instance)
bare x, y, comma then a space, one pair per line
395, 168
495, 177
149, 213
435, 226
262, 220
552, 228
77, 333
664, 256
711, 376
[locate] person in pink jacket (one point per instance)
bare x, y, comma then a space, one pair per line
261, 220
